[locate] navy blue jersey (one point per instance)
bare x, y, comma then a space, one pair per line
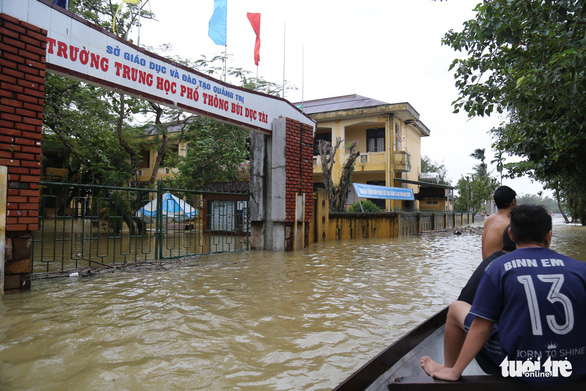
537, 298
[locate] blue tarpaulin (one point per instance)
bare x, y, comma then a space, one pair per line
173, 209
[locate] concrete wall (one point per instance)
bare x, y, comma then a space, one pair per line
281, 188
344, 226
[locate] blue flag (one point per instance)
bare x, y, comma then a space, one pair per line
218, 22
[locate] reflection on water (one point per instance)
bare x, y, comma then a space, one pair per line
238, 321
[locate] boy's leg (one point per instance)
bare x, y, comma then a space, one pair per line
454, 336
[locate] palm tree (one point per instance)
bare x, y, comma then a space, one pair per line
482, 168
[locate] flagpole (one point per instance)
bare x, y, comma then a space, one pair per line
225, 55
302, 75
284, 46
226, 45
138, 38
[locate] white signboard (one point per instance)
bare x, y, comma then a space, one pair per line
222, 216
77, 48
383, 192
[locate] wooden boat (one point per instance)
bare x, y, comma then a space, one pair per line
398, 368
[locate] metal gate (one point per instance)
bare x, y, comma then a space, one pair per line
89, 225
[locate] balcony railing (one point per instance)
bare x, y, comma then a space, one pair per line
144, 174
366, 162
373, 161
402, 161
53, 173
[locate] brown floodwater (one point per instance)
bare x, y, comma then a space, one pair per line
238, 321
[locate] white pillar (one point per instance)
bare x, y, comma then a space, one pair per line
267, 188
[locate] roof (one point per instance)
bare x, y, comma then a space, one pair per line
425, 184
338, 103
225, 187
171, 127
349, 106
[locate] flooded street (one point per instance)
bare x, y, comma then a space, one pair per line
241, 321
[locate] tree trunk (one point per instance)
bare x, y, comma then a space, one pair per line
164, 142
343, 187
557, 198
121, 212
121, 140
337, 194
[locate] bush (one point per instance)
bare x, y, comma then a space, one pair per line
368, 205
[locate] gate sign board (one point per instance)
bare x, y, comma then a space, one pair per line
80, 49
382, 192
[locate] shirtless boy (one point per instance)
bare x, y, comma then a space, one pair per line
492, 236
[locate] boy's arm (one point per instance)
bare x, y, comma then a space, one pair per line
479, 331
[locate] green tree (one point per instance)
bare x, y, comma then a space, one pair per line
96, 125
473, 192
216, 152
536, 199
102, 13
79, 117
527, 59
482, 168
367, 205
499, 160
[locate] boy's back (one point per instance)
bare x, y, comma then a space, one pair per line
538, 299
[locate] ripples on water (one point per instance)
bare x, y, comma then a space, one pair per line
257, 321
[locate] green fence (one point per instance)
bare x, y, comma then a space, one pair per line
89, 225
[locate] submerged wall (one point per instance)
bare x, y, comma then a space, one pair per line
344, 226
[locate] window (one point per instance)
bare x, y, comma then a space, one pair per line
375, 140
320, 136
145, 161
397, 137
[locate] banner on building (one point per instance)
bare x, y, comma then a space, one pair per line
383, 192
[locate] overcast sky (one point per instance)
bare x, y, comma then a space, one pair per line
388, 50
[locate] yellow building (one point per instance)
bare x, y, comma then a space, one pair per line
149, 156
388, 137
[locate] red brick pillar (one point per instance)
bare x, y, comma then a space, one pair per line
22, 84
299, 158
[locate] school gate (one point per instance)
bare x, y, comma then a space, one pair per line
37, 36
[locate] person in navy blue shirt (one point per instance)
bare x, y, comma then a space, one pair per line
528, 318
469, 291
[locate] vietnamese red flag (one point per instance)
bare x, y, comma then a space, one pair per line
254, 19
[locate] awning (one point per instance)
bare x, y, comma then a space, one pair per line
423, 183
